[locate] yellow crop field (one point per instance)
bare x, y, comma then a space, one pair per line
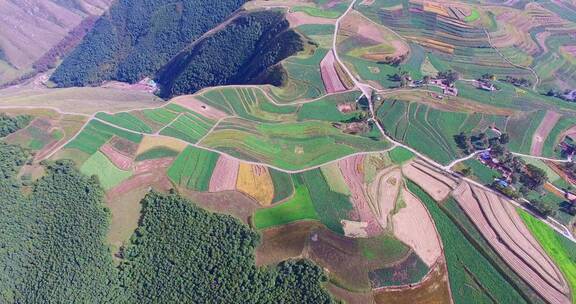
256, 182
150, 142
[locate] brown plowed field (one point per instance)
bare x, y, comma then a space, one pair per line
413, 226
352, 169
549, 121
234, 203
191, 103
159, 181
329, 75
503, 228
284, 242
118, 159
224, 175
433, 290
433, 182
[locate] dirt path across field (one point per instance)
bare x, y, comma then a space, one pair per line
539, 137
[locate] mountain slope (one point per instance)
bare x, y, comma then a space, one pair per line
236, 54
136, 38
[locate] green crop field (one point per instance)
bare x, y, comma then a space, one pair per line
248, 103
299, 207
160, 115
472, 278
331, 207
483, 173
326, 108
334, 178
290, 146
560, 249
108, 174
193, 168
125, 120
550, 147
400, 155
96, 133
283, 187
317, 12
157, 152
188, 127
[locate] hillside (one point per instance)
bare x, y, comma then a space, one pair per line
237, 54
133, 41
29, 29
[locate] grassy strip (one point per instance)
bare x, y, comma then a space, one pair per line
317, 12
560, 249
473, 279
125, 120
157, 152
400, 155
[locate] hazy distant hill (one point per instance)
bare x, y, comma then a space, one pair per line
29, 29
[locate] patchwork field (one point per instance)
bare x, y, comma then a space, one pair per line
502, 227
193, 168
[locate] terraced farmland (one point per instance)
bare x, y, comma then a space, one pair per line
96, 133
432, 131
289, 146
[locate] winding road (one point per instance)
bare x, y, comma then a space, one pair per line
367, 91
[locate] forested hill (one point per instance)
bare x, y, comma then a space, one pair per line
137, 37
236, 54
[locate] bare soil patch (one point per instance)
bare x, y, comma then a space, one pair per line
352, 169
413, 226
383, 192
233, 203
225, 174
503, 228
191, 103
433, 182
539, 137
299, 18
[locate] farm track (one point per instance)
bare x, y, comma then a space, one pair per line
366, 90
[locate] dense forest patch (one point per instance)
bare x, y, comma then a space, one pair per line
181, 253
135, 38
242, 52
9, 124
53, 248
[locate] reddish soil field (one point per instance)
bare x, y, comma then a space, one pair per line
434, 289
120, 160
199, 107
549, 121
284, 242
329, 75
413, 226
503, 228
151, 165
225, 174
299, 18
158, 180
352, 169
